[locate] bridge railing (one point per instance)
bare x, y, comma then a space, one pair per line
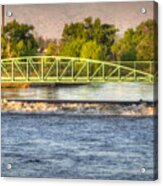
74, 70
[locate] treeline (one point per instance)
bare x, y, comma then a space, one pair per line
18, 40
139, 44
88, 39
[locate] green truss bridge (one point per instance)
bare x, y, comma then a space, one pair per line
57, 69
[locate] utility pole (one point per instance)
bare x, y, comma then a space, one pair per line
3, 18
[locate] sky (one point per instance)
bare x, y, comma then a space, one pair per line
49, 19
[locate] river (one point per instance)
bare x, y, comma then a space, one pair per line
79, 146
96, 91
91, 147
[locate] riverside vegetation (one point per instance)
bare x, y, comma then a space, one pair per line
88, 39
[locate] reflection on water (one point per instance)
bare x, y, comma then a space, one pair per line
95, 91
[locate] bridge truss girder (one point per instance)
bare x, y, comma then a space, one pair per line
55, 69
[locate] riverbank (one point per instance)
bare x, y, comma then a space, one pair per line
15, 85
140, 109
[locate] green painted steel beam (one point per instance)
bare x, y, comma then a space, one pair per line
60, 69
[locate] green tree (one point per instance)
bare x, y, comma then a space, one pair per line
4, 52
72, 48
18, 40
146, 38
138, 44
76, 35
125, 49
53, 49
91, 50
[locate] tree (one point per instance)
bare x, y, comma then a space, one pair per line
18, 40
72, 48
4, 52
146, 37
138, 44
53, 49
125, 49
77, 37
91, 50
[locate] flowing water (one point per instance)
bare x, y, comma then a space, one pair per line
92, 147
99, 91
79, 146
